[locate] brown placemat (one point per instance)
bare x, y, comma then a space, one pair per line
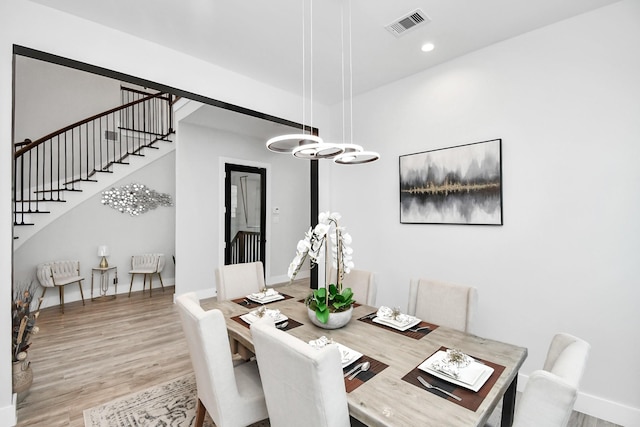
470, 399
246, 302
375, 368
292, 323
408, 333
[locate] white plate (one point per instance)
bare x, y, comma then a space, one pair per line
413, 321
251, 317
471, 377
264, 300
348, 355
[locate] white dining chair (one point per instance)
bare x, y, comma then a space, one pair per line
238, 280
550, 393
302, 385
232, 395
444, 304
362, 283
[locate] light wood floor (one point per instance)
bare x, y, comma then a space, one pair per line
96, 353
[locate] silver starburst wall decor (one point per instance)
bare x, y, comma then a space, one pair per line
135, 199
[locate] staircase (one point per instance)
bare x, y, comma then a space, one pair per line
52, 171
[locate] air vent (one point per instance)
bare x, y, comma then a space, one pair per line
409, 22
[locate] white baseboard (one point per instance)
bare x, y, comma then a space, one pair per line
607, 410
598, 407
8, 413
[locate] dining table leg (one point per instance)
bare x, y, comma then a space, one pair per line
509, 404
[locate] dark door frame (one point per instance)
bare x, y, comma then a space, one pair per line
83, 66
234, 167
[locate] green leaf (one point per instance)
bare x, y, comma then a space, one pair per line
322, 315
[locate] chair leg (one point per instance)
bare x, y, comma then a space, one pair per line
161, 284
61, 291
150, 285
81, 293
131, 285
200, 413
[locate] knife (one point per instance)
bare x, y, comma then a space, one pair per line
427, 385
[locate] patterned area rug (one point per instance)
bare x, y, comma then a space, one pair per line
172, 404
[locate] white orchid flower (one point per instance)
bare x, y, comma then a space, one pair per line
321, 230
346, 238
303, 246
313, 245
335, 216
323, 217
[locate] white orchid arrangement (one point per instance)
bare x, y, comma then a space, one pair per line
332, 297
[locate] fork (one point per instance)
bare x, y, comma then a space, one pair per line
427, 385
419, 329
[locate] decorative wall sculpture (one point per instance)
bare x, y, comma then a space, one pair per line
135, 199
457, 185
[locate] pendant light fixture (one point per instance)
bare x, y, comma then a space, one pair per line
353, 154
303, 145
312, 147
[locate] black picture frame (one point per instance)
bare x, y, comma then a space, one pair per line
454, 185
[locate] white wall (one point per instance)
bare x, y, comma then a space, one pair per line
565, 101
203, 152
58, 96
39, 27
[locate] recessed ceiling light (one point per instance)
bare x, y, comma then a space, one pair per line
428, 47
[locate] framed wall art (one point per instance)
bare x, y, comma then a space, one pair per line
455, 185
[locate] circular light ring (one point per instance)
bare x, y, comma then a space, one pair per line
357, 158
351, 148
322, 150
287, 143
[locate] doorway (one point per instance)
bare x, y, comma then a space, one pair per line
245, 214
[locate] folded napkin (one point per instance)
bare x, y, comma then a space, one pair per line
266, 294
452, 363
261, 312
320, 342
446, 368
387, 314
346, 354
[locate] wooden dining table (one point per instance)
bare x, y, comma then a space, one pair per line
389, 393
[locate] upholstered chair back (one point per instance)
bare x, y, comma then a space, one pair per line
233, 396
57, 271
550, 393
238, 280
302, 385
148, 263
362, 283
443, 303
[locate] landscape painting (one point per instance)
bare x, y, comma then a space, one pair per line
455, 185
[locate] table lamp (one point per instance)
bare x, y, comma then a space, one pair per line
103, 251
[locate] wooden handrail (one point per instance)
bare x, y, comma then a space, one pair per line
81, 122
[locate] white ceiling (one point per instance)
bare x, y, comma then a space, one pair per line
262, 39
